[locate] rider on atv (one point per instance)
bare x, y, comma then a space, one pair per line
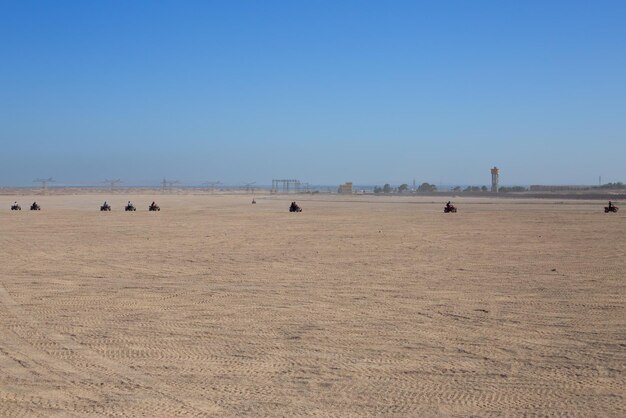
294, 207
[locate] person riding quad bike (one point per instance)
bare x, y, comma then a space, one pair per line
35, 206
105, 207
294, 207
153, 207
15, 206
130, 207
611, 208
449, 208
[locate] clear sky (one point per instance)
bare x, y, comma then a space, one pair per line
323, 91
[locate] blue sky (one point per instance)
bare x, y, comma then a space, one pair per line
323, 91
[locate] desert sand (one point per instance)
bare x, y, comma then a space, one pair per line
358, 306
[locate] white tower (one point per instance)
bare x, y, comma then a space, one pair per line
495, 179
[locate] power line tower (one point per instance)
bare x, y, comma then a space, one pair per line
44, 183
211, 185
285, 185
112, 183
249, 186
165, 184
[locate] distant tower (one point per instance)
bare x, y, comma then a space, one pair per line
495, 179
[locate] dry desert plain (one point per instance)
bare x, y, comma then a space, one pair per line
359, 306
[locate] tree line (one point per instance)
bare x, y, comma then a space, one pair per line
403, 188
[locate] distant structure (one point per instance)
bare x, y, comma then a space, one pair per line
495, 179
112, 183
211, 185
345, 188
44, 183
286, 185
249, 187
165, 184
552, 188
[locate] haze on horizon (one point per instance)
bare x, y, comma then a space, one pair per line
326, 92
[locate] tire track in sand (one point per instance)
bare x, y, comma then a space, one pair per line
17, 347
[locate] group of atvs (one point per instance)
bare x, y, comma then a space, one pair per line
104, 208
448, 208
130, 207
34, 206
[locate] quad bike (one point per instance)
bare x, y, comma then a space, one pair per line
295, 208
130, 208
35, 206
449, 209
154, 208
105, 208
613, 209
15, 206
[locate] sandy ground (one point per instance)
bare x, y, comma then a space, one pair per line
355, 307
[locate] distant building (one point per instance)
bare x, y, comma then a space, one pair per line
345, 188
495, 179
542, 188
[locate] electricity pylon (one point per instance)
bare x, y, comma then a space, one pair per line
249, 186
211, 185
112, 183
168, 183
44, 183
